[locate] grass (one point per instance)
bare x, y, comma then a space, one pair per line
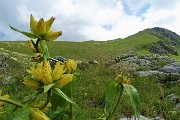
90, 87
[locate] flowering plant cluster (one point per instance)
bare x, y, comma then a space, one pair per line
44, 78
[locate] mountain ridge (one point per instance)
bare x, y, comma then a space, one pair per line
155, 40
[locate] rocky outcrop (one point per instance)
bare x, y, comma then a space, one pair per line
3, 59
163, 48
164, 67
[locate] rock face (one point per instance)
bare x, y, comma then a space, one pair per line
164, 67
3, 59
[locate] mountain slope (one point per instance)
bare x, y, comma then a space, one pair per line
155, 40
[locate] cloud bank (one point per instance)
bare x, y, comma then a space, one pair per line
82, 20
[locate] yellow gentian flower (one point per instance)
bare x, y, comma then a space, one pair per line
58, 71
67, 78
43, 29
37, 114
70, 66
2, 103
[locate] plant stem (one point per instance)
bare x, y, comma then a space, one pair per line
71, 106
36, 44
47, 100
44, 47
11, 102
118, 100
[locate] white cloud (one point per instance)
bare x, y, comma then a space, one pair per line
90, 20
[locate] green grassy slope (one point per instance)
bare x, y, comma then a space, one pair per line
91, 84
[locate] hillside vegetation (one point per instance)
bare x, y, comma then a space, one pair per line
90, 87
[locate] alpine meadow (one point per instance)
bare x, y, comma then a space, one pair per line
135, 77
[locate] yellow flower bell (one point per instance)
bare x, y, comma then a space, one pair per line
67, 78
32, 83
58, 71
42, 74
70, 66
2, 103
38, 103
37, 114
46, 73
123, 79
43, 29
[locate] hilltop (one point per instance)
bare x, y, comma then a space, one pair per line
154, 40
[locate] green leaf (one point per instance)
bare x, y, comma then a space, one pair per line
47, 87
112, 93
28, 34
135, 99
23, 113
59, 115
60, 93
57, 100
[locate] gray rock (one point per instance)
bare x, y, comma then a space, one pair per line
134, 118
151, 72
142, 118
173, 98
171, 68
60, 58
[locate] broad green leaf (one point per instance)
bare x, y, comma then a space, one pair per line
113, 91
135, 99
55, 101
28, 34
23, 113
60, 93
47, 87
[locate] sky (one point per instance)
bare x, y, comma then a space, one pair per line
82, 20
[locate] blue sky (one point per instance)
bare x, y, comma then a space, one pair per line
82, 20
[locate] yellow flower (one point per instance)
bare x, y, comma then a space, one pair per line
39, 103
70, 66
123, 79
37, 72
58, 71
37, 114
46, 73
1, 110
32, 83
33, 24
67, 78
50, 36
2, 103
42, 74
42, 29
